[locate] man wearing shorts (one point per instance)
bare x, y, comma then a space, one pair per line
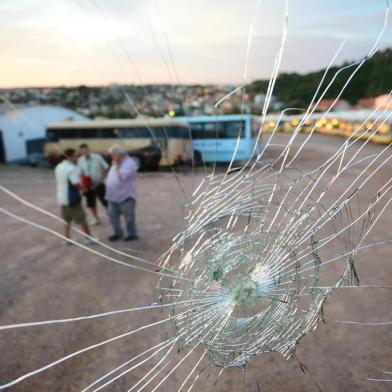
93, 169
68, 197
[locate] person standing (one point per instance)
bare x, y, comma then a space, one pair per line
68, 196
121, 193
93, 169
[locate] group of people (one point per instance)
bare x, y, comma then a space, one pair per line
86, 174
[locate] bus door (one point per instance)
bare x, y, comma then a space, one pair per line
216, 140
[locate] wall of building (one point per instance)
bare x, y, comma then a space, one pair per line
27, 123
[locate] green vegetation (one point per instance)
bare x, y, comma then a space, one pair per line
374, 78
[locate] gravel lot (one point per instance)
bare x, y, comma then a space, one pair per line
42, 279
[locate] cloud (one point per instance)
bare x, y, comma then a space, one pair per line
95, 41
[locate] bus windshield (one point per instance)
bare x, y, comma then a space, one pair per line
218, 130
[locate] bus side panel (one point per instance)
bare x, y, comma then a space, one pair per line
177, 150
222, 150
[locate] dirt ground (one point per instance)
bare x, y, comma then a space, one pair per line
41, 279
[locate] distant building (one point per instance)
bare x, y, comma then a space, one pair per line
366, 103
381, 102
325, 104
22, 129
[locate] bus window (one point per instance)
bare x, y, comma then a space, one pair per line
218, 130
197, 130
160, 133
208, 130
86, 133
232, 129
213, 130
157, 132
52, 135
68, 133
132, 133
179, 133
106, 133
144, 132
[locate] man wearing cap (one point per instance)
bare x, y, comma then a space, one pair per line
121, 193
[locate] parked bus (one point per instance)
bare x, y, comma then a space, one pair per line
360, 124
154, 142
214, 138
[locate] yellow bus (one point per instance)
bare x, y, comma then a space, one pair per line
378, 132
154, 142
383, 134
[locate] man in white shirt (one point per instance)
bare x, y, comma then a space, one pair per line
68, 196
93, 170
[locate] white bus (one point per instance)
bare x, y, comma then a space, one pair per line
154, 142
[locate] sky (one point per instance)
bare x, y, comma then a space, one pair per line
99, 42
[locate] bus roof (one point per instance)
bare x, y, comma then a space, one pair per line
118, 123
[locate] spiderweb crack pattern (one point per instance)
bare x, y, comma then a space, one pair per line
255, 244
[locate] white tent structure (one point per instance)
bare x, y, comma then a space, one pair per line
22, 124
